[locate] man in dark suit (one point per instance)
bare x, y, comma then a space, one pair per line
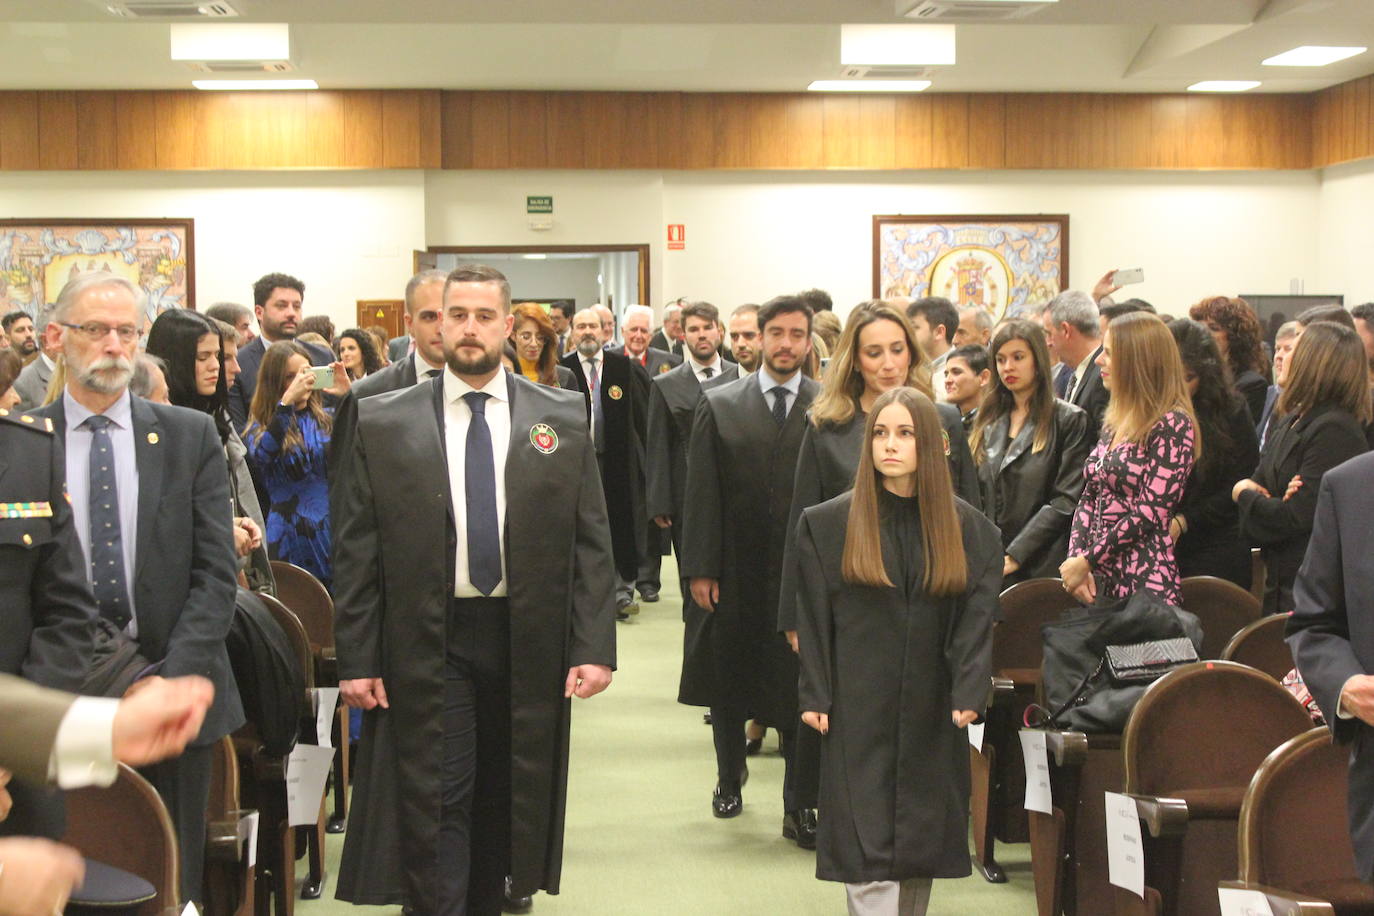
398, 348
669, 337
560, 316
744, 336
1073, 335
466, 622
278, 302
1331, 632
745, 439
616, 396
635, 328
33, 380
149, 490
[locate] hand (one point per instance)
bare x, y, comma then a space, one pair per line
963, 717
706, 592
1175, 528
1294, 486
142, 683
1358, 698
254, 532
1073, 571
1087, 592
1105, 287
298, 392
818, 720
792, 639
364, 693
159, 719
39, 876
6, 803
587, 681
1009, 566
1247, 484
341, 381
663, 521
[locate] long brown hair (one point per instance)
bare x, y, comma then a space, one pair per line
942, 540
548, 355
1327, 366
1244, 335
272, 384
999, 401
843, 385
1147, 380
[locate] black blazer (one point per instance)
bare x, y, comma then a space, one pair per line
1308, 446
1254, 390
1331, 631
185, 569
250, 360
1031, 495
1212, 545
1092, 396
673, 400
398, 375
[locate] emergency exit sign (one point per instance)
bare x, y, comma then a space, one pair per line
540, 203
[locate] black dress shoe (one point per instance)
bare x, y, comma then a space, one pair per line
726, 802
649, 594
800, 827
512, 904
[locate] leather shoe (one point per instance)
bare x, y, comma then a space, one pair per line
649, 594
626, 606
800, 826
512, 904
726, 802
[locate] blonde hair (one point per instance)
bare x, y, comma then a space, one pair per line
1147, 380
842, 385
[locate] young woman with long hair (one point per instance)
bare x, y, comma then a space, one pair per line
1029, 448
288, 439
357, 350
1207, 541
1134, 477
898, 590
1240, 339
1319, 423
536, 348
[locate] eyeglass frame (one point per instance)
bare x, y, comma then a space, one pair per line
127, 333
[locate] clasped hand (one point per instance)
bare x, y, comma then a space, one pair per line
820, 721
1077, 574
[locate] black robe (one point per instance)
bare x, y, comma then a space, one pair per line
740, 468
889, 665
393, 580
1212, 545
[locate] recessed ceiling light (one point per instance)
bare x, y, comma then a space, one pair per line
1223, 85
897, 45
869, 85
231, 41
254, 85
1311, 56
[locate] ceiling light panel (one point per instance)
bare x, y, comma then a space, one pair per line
254, 85
231, 41
869, 85
909, 45
1223, 86
1312, 56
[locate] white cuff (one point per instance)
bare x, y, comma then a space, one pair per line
83, 754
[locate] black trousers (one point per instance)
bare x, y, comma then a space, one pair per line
184, 785
473, 858
727, 728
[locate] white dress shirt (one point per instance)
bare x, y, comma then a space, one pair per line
457, 418
767, 383
699, 369
421, 367
83, 752
1078, 374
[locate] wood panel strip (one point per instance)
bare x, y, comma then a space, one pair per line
59, 133
19, 131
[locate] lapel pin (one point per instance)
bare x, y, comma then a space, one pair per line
615, 392
543, 438
152, 438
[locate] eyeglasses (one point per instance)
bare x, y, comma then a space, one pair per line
527, 336
95, 330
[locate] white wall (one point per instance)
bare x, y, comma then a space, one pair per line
1346, 241
559, 278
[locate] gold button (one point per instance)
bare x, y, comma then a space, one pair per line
28, 539
26, 418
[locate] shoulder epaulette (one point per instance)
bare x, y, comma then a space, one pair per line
37, 424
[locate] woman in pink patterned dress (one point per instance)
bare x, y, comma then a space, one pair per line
1134, 478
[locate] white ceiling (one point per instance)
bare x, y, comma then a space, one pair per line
698, 45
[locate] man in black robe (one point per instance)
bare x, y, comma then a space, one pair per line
740, 467
465, 623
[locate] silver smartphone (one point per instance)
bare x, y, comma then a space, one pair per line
324, 376
1129, 276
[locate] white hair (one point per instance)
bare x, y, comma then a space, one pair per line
637, 310
84, 283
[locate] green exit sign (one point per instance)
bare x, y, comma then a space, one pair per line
539, 204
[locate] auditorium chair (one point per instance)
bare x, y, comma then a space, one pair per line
998, 772
229, 882
309, 600
1260, 645
127, 826
1257, 573
1294, 836
1191, 746
1223, 607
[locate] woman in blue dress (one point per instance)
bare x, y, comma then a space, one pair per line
288, 440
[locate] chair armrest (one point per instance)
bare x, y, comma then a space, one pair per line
1164, 817
1283, 902
1070, 749
222, 841
1002, 687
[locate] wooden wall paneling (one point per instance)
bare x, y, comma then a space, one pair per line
491, 130
58, 131
733, 148
987, 131
1206, 125
640, 131
949, 131
1321, 127
912, 132
1029, 132
529, 135
362, 130
136, 130
605, 133
840, 130
410, 129
1169, 132
96, 120
877, 132
1298, 124
19, 131
177, 128
697, 150
1356, 94
317, 128
565, 130
455, 114
665, 126
787, 131
1128, 131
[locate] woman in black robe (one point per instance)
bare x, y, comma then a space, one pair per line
899, 584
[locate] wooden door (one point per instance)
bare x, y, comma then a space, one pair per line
385, 312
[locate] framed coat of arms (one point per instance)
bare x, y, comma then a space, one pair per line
1005, 264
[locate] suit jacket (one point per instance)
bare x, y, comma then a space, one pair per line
1309, 446
1271, 398
400, 374
250, 360
1092, 396
184, 562
656, 361
29, 719
398, 348
1331, 631
393, 582
1254, 390
32, 384
673, 397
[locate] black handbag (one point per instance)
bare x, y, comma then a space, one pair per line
1098, 661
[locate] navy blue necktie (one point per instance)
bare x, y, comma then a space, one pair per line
779, 404
479, 485
107, 543
1062, 380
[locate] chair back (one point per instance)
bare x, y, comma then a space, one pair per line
1223, 607
1260, 645
1017, 647
295, 632
1201, 731
126, 825
1294, 832
309, 600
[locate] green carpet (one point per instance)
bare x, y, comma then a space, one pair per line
640, 837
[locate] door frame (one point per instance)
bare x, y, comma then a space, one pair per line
420, 262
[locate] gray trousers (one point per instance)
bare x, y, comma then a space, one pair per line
889, 898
